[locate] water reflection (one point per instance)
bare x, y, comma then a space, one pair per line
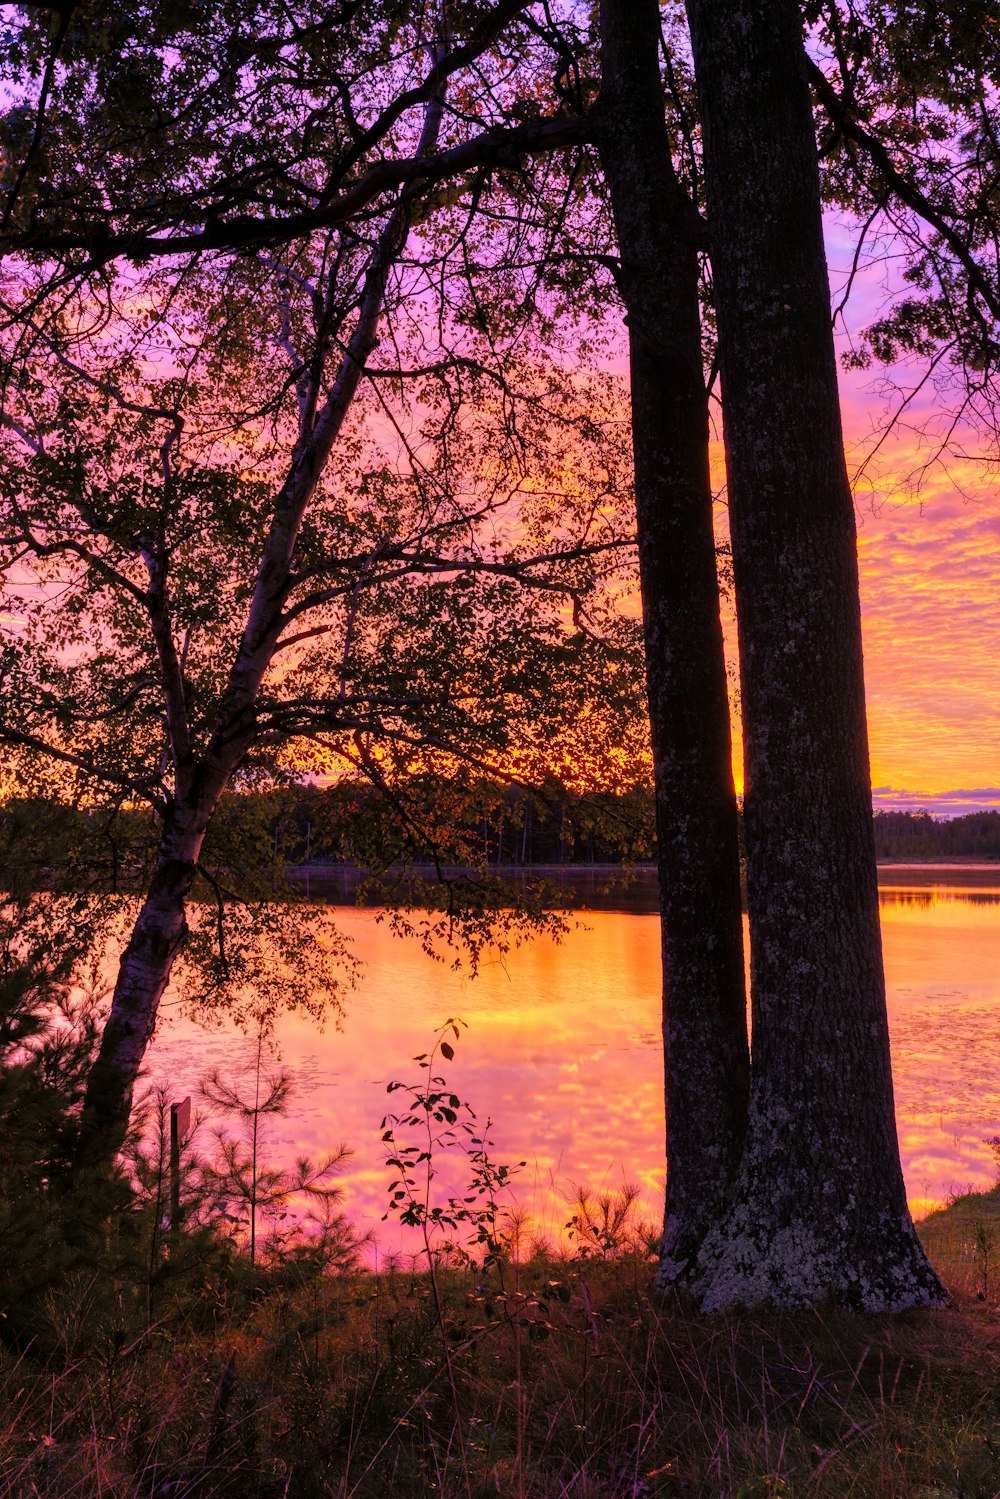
563, 1051
596, 887
935, 895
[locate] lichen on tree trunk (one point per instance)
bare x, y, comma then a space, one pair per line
820, 1207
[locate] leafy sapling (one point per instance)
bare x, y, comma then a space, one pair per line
438, 1121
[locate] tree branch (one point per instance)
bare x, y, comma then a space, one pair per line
140, 787
902, 187
495, 147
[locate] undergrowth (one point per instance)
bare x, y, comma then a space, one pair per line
236, 1352
565, 1378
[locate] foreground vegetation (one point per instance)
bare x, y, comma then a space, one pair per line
558, 1377
156, 1350
144, 1356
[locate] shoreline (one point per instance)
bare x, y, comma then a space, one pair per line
632, 889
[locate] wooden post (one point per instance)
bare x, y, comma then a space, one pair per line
180, 1120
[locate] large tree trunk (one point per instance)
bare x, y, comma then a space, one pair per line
704, 1013
820, 1210
143, 975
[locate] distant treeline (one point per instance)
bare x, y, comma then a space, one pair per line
498, 826
917, 835
478, 824
355, 824
560, 827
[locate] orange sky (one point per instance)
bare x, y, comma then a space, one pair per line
932, 642
930, 580
930, 569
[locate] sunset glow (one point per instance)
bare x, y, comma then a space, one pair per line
930, 577
585, 1106
928, 526
932, 642
420, 1076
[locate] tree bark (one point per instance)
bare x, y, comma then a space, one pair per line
820, 1208
143, 974
704, 999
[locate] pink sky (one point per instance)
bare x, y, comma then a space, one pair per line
930, 568
930, 584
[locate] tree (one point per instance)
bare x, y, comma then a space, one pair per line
820, 1207
240, 1189
349, 183
168, 446
140, 131
704, 1021
908, 136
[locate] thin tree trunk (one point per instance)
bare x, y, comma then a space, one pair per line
704, 1010
820, 1211
143, 974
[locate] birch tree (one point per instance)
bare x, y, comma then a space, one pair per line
185, 461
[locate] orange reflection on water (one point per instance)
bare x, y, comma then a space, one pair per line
563, 1053
942, 946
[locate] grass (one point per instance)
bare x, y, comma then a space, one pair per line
964, 1242
567, 1379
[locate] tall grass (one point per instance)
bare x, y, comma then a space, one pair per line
137, 1363
567, 1378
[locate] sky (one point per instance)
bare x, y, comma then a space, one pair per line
930, 570
930, 591
932, 648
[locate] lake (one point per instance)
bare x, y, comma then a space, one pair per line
562, 1049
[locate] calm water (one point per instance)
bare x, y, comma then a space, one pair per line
562, 1049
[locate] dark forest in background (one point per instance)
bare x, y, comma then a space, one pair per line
45, 842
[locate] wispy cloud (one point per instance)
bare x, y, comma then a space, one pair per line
938, 803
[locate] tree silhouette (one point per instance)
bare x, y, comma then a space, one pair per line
820, 1209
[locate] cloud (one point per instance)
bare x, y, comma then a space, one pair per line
937, 803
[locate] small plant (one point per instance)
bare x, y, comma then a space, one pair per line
984, 1246
240, 1190
437, 1121
606, 1225
48, 1233
767, 1486
993, 1143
